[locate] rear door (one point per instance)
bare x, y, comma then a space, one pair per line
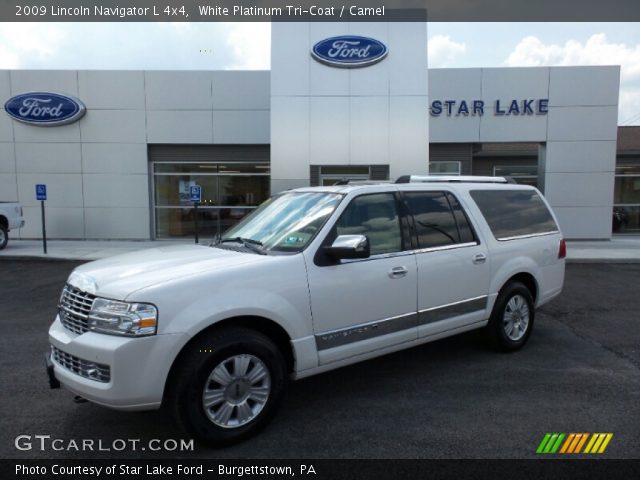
453, 265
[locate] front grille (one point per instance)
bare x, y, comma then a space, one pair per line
74, 308
84, 368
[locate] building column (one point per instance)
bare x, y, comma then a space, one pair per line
323, 115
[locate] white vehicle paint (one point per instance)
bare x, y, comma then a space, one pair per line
342, 274
10, 218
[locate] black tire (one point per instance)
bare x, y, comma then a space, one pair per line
4, 236
498, 332
219, 350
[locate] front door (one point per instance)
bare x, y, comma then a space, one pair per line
363, 305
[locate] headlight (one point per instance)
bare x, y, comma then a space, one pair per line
122, 318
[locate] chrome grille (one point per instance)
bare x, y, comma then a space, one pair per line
74, 308
84, 368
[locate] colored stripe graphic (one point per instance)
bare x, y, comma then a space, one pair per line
581, 443
598, 443
573, 443
543, 443
604, 445
550, 443
567, 443
555, 447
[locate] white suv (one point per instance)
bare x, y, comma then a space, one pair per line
314, 279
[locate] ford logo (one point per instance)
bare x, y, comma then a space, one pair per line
349, 51
44, 108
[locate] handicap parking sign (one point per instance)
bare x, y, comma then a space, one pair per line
195, 193
41, 192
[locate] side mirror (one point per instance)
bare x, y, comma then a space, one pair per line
349, 246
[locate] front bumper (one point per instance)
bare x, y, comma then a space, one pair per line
53, 381
139, 366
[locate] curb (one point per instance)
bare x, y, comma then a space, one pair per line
30, 258
604, 260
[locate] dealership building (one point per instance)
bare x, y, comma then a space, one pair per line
123, 165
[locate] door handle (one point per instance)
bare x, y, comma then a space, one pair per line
479, 258
398, 272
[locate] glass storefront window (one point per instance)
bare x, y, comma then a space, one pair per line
524, 174
626, 219
626, 199
180, 222
206, 168
173, 190
344, 170
229, 192
331, 175
627, 190
444, 168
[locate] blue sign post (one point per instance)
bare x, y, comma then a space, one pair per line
41, 194
195, 193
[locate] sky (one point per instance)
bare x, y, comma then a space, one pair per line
213, 46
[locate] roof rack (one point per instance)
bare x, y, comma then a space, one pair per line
451, 179
361, 182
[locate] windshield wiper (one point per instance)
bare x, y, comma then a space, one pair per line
250, 243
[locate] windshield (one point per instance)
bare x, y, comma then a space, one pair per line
286, 222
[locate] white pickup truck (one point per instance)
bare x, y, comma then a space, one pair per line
10, 218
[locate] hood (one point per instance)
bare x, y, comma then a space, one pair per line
119, 276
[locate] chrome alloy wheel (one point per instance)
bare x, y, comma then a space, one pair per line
2, 236
236, 391
516, 317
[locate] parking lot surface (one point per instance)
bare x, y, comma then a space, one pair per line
455, 398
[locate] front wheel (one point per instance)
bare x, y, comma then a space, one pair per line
228, 386
512, 318
4, 236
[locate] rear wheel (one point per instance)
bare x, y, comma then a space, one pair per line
4, 236
229, 386
512, 317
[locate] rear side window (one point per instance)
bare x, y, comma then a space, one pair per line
513, 213
439, 219
464, 228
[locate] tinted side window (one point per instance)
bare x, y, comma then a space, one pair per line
511, 213
376, 217
434, 220
464, 227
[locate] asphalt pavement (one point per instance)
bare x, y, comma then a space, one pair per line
455, 398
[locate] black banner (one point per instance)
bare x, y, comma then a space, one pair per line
317, 10
319, 469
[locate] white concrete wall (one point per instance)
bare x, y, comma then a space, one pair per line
96, 170
322, 115
578, 135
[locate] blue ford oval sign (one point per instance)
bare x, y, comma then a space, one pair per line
349, 51
44, 108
